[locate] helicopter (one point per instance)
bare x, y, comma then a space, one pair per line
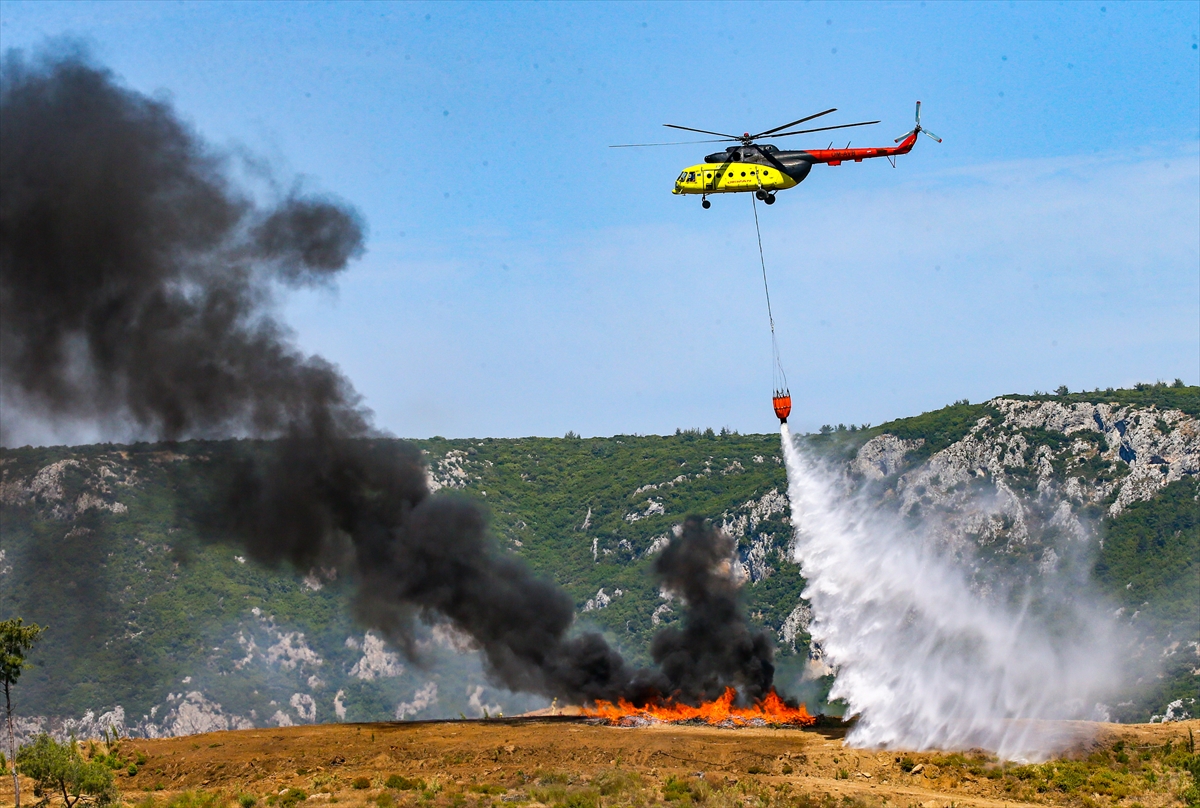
763, 168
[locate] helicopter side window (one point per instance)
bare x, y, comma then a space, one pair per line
691, 176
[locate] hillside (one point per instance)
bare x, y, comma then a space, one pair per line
158, 627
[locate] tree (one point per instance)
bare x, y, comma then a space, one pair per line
60, 768
16, 639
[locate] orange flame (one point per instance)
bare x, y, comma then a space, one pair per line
771, 710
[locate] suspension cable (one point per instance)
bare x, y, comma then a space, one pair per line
778, 377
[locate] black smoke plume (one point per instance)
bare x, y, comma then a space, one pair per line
715, 647
136, 287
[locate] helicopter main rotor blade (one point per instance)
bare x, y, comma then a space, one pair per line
823, 129
793, 123
702, 131
676, 143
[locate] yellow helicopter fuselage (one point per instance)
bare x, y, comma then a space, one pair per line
729, 178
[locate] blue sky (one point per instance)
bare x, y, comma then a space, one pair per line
522, 278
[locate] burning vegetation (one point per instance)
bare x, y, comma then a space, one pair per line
720, 712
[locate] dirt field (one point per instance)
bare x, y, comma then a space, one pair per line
565, 762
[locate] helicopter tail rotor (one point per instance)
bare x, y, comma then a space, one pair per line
918, 128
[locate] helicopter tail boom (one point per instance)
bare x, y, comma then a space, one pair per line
904, 144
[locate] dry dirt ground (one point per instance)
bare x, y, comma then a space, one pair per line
566, 763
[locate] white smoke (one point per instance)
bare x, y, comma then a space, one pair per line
921, 658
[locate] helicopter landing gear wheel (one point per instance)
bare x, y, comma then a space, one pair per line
704, 203
761, 195
770, 200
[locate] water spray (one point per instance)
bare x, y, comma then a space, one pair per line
921, 657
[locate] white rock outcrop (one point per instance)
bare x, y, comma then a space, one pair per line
882, 456
425, 697
376, 661
601, 600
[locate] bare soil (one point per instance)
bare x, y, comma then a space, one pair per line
545, 760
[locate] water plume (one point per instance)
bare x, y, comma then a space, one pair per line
923, 659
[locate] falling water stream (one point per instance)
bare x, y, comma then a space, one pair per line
923, 659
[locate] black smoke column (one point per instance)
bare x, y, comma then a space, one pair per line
136, 290
136, 282
715, 647
137, 279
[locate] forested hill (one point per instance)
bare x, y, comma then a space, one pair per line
158, 628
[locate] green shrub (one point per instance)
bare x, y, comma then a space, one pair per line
615, 782
402, 783
550, 795
676, 790
360, 783
292, 797
247, 800
1113, 784
1069, 777
907, 764
60, 769
1193, 766
586, 798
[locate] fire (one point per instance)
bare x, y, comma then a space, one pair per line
771, 710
